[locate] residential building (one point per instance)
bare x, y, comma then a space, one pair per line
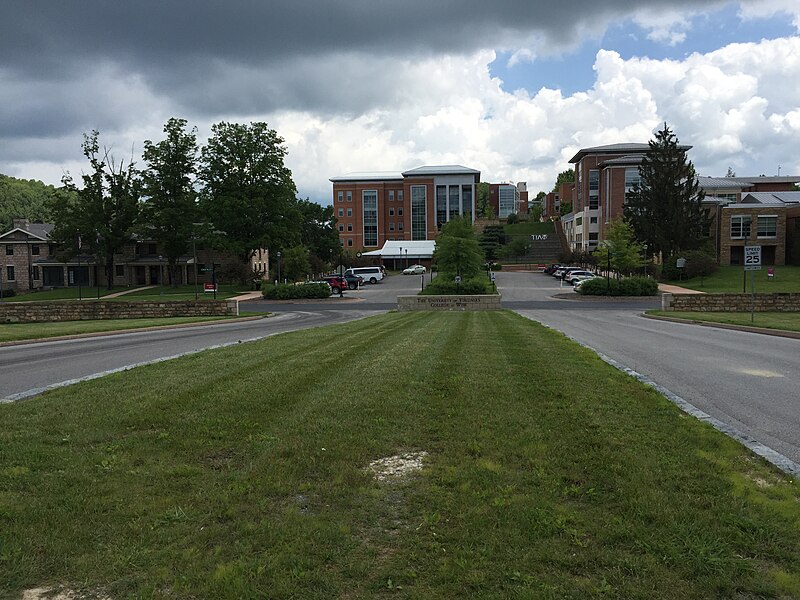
506, 199
375, 207
31, 261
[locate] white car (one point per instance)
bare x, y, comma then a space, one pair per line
574, 276
414, 270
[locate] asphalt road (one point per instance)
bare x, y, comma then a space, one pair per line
749, 381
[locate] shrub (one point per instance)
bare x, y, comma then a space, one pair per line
512, 219
697, 263
628, 286
8, 293
288, 291
444, 285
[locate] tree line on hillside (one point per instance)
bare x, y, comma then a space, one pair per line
235, 194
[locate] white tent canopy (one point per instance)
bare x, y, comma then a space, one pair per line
405, 249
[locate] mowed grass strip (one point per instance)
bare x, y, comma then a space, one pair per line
786, 321
242, 473
730, 280
11, 332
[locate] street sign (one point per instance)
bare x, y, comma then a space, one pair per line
458, 278
209, 287
752, 258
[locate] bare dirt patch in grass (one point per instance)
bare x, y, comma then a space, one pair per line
46, 593
397, 467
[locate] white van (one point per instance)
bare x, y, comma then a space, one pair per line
369, 274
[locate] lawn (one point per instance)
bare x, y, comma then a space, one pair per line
770, 320
70, 293
529, 228
10, 332
730, 280
244, 473
184, 292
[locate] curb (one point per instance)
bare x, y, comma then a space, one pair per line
795, 335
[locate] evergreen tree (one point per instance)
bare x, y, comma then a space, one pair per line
457, 250
666, 208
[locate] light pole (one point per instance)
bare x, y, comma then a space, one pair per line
401, 256
194, 264
279, 266
161, 274
406, 258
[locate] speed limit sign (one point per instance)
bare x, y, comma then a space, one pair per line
752, 258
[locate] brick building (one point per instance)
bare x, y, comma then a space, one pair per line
375, 207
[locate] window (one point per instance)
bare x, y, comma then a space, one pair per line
350, 242
341, 227
119, 270
399, 195
35, 273
349, 212
399, 212
508, 199
9, 250
349, 227
151, 249
10, 273
578, 221
391, 195
592, 237
340, 196
593, 220
369, 200
391, 225
740, 227
35, 249
454, 202
400, 226
594, 189
466, 202
441, 205
349, 196
391, 212
419, 214
632, 180
767, 226
341, 212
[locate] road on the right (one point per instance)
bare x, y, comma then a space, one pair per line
749, 381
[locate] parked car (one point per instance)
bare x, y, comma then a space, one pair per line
337, 282
414, 270
370, 274
576, 279
353, 281
563, 271
552, 268
570, 277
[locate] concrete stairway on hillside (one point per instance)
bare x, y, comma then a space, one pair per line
545, 250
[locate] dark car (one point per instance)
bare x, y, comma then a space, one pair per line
353, 281
337, 282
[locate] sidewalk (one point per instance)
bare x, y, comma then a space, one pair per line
130, 291
674, 289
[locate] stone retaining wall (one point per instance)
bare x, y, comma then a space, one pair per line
39, 312
731, 302
459, 302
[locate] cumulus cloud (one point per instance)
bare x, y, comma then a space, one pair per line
356, 86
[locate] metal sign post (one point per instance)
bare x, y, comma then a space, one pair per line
752, 262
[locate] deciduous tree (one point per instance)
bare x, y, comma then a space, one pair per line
620, 249
99, 218
248, 192
170, 210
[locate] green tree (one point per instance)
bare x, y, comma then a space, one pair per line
625, 252
457, 250
170, 210
100, 217
24, 199
564, 208
318, 230
485, 210
248, 192
666, 208
567, 176
518, 247
295, 263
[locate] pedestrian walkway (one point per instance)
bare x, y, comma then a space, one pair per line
130, 291
674, 289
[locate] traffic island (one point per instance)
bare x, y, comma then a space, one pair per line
465, 302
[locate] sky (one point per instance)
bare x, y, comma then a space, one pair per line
513, 88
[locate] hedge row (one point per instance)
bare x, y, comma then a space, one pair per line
628, 286
7, 293
289, 291
444, 285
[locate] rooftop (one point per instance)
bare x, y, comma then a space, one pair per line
369, 176
441, 170
625, 148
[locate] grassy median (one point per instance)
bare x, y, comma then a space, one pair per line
786, 321
12, 332
244, 473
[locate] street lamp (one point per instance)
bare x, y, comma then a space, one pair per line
161, 274
401, 256
279, 266
406, 258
